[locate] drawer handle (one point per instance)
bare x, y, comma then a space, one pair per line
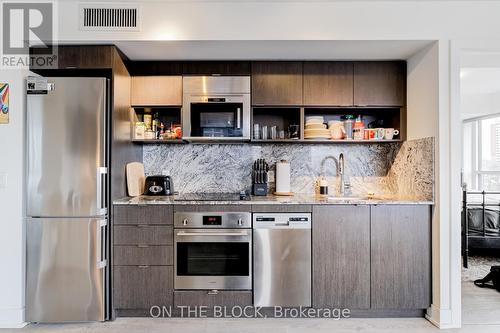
143, 266
142, 226
142, 246
213, 292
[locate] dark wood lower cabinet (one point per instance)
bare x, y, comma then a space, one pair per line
142, 214
400, 257
143, 255
143, 234
372, 259
141, 287
341, 256
212, 300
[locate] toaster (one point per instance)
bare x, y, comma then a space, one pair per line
159, 185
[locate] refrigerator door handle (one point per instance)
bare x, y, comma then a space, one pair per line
101, 208
100, 244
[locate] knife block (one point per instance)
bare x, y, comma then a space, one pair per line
259, 189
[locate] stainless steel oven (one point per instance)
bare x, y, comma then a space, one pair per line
212, 250
216, 108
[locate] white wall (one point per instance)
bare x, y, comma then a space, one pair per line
480, 90
429, 115
423, 121
423, 93
480, 105
12, 251
307, 20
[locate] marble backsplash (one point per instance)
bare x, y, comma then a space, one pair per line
388, 169
411, 176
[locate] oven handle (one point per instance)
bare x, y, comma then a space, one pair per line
238, 118
236, 234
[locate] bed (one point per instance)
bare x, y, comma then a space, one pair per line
480, 222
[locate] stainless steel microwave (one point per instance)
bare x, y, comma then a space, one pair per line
216, 108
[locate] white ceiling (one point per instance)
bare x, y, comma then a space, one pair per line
270, 50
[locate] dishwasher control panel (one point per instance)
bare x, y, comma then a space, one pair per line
282, 220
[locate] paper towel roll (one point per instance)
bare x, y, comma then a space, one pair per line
283, 177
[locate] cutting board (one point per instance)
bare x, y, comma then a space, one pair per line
135, 179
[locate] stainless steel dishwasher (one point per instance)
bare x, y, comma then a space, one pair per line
282, 259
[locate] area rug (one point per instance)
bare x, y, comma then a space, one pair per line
479, 266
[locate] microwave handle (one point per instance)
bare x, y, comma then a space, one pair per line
238, 118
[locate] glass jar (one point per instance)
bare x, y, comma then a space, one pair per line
140, 128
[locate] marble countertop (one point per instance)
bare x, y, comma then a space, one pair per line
298, 199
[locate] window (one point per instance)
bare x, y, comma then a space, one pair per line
481, 153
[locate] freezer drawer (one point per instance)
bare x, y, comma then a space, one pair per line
65, 270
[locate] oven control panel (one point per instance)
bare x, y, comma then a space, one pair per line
212, 220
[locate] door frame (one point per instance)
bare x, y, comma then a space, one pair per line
458, 49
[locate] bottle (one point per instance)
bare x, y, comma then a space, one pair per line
156, 126
359, 129
162, 130
155, 123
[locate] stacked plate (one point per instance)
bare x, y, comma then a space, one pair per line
316, 128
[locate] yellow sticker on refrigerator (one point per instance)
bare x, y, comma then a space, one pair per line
4, 103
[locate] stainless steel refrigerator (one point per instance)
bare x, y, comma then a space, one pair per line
66, 193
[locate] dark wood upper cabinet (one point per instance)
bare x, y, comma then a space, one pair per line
68, 56
85, 57
96, 57
277, 83
216, 68
380, 83
341, 256
400, 257
79, 57
328, 83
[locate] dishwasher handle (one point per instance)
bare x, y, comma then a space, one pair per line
282, 225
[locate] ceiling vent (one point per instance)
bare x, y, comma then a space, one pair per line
106, 17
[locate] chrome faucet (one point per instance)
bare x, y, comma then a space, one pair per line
341, 169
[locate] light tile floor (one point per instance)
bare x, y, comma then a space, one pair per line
147, 325
479, 305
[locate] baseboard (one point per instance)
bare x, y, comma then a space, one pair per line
12, 318
441, 318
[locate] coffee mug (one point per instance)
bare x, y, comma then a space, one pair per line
379, 133
390, 133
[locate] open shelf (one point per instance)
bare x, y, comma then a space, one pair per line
327, 141
173, 141
170, 116
379, 117
281, 117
